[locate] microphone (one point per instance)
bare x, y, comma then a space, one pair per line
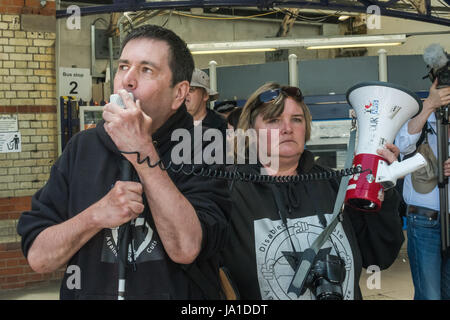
125, 165
437, 60
124, 230
117, 99
435, 57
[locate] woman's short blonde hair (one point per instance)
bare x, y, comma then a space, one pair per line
272, 109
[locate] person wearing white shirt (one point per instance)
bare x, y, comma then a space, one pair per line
430, 271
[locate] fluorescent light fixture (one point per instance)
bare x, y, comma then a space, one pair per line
234, 51
284, 43
343, 18
362, 45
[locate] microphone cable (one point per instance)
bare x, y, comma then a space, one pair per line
201, 171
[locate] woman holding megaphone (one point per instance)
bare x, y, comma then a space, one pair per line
275, 224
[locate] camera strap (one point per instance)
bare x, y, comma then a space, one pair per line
310, 254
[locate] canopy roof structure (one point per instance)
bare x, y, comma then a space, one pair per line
420, 10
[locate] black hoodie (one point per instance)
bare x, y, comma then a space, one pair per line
85, 172
267, 239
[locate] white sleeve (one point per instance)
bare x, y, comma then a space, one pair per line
406, 142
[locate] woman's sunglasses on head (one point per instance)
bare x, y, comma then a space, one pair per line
270, 95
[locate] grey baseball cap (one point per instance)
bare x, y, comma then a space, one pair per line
201, 79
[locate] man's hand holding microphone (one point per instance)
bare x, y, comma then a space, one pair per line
125, 123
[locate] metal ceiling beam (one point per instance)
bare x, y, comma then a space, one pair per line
360, 7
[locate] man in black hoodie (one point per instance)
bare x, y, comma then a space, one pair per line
175, 219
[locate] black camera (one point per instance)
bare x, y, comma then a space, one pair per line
325, 278
443, 76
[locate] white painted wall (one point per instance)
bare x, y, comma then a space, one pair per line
75, 45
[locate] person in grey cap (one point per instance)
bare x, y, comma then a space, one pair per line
199, 94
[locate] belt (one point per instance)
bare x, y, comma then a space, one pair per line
430, 214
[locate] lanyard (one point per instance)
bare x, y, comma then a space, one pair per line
309, 254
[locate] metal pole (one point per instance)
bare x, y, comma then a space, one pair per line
59, 101
61, 131
293, 71
382, 65
442, 144
69, 117
111, 61
212, 79
92, 50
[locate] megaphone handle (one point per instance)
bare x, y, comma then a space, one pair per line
409, 165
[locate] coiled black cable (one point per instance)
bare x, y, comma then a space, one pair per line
246, 176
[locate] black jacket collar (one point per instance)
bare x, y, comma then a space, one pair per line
180, 120
214, 120
306, 162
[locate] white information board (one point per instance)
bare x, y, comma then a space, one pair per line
8, 123
10, 138
75, 82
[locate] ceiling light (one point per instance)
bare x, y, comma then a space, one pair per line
284, 43
360, 45
343, 18
233, 51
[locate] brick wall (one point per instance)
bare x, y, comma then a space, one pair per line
28, 90
14, 270
22, 174
16, 273
27, 66
27, 7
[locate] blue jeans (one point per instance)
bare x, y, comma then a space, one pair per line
429, 273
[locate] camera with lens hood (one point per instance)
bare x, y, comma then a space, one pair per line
326, 277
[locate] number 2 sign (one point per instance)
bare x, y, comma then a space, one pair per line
75, 82
74, 85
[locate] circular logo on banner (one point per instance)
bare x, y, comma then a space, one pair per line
277, 261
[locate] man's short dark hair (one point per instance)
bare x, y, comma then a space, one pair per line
181, 62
